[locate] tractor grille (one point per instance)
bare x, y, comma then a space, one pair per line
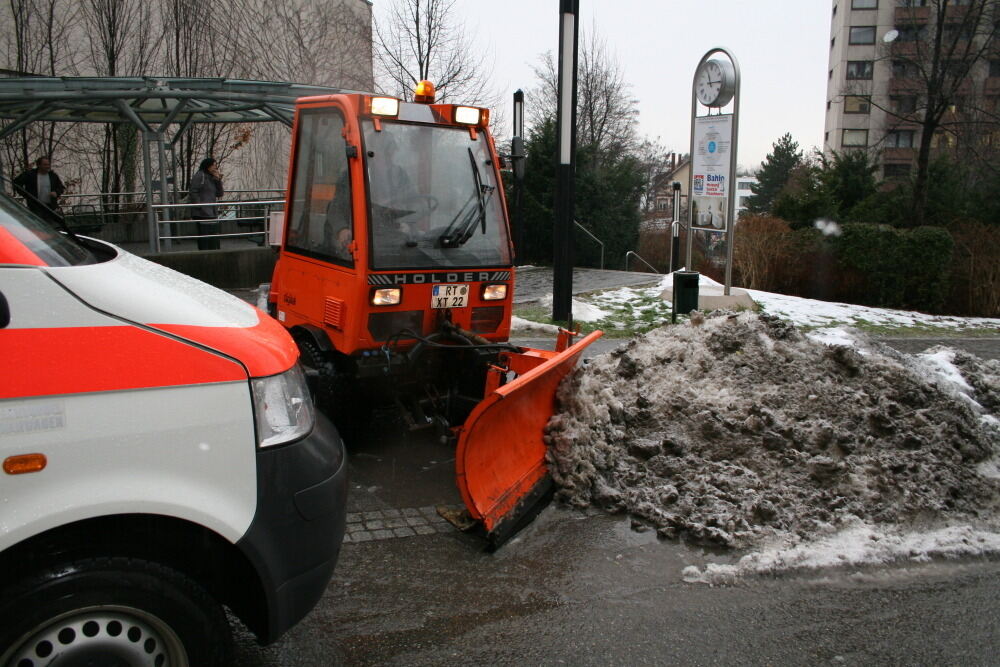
333, 312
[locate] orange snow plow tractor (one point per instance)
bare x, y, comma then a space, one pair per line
396, 279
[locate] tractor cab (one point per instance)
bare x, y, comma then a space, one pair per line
396, 213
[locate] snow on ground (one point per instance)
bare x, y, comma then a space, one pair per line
740, 431
809, 313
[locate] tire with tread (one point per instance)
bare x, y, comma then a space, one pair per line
108, 609
334, 393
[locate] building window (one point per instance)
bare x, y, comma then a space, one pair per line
903, 104
864, 34
896, 171
833, 40
912, 3
855, 138
942, 140
899, 139
743, 185
857, 104
995, 68
901, 69
860, 69
826, 137
828, 103
744, 201
835, 10
911, 33
864, 4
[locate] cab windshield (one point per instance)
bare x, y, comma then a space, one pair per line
434, 198
40, 237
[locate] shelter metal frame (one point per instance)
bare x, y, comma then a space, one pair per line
151, 105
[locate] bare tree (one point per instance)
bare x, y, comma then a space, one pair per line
606, 110
939, 48
423, 39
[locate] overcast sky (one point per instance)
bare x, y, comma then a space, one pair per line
782, 47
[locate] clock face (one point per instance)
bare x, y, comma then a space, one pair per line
709, 83
715, 83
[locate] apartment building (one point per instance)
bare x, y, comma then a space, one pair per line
880, 56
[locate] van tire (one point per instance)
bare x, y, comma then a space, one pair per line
126, 608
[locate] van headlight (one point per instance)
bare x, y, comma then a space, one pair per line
283, 407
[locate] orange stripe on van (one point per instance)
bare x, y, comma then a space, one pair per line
265, 349
74, 360
13, 251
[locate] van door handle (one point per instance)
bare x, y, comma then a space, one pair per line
4, 312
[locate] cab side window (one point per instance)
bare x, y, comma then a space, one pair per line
320, 216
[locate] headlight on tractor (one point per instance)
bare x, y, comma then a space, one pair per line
494, 292
282, 406
388, 296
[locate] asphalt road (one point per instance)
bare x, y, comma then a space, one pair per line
583, 588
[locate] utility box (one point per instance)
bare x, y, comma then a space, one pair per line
685, 295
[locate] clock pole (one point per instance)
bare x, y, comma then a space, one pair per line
713, 168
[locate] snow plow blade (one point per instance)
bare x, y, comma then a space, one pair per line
500, 461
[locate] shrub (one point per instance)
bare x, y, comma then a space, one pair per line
976, 269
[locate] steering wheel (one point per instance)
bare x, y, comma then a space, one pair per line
415, 204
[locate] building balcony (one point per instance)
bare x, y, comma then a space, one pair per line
898, 155
904, 49
911, 15
904, 86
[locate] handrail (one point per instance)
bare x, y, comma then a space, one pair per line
161, 211
595, 238
632, 252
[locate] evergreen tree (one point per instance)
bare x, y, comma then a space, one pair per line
774, 173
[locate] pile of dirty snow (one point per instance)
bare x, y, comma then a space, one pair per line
738, 430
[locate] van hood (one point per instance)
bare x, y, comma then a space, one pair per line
148, 294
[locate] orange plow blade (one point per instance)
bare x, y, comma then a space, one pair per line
500, 460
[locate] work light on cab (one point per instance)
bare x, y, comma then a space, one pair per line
424, 93
390, 296
385, 106
467, 115
494, 292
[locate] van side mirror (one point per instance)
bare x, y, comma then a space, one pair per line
517, 156
4, 312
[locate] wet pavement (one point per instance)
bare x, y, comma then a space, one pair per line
534, 282
584, 588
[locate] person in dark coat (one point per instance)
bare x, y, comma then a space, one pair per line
41, 187
205, 189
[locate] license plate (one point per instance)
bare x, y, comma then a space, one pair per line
450, 296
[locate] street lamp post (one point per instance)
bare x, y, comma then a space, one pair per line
562, 275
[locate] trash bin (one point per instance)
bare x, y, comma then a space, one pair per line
685, 291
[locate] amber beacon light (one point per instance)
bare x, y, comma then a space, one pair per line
424, 92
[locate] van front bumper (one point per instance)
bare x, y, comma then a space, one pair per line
296, 533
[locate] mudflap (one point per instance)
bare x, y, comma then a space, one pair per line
500, 460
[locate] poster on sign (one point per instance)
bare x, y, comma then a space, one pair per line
710, 168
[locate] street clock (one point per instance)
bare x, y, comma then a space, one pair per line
715, 83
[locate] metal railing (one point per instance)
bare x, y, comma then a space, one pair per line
636, 255
251, 212
587, 232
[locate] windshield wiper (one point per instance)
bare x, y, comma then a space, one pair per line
464, 222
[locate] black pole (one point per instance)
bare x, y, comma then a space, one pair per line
562, 274
675, 227
517, 157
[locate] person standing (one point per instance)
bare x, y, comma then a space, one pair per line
204, 191
41, 187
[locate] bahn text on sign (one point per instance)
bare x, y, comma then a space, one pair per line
710, 167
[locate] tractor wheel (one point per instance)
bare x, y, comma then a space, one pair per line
335, 393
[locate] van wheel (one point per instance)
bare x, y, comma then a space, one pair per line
112, 611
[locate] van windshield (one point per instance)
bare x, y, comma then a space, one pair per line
434, 198
39, 236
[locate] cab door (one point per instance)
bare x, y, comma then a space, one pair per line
318, 276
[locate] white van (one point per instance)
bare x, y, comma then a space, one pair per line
161, 460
